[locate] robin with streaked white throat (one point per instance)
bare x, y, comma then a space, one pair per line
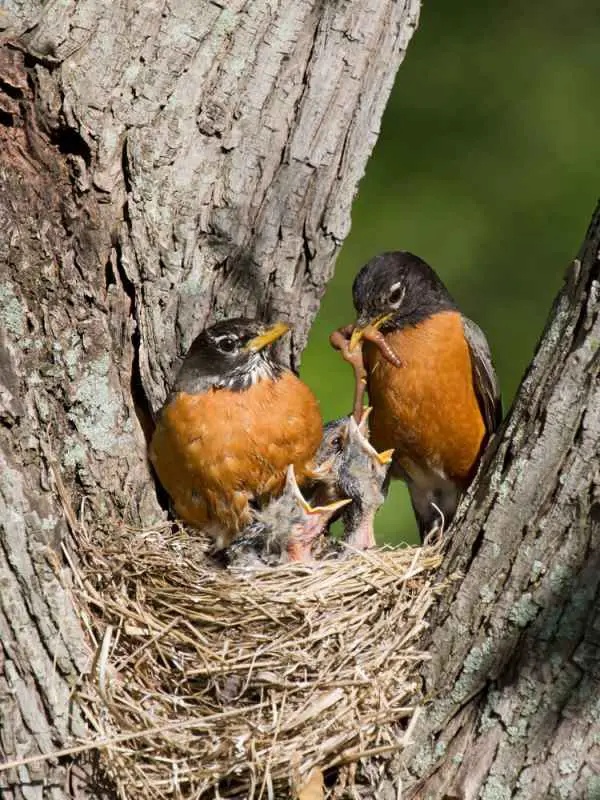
234, 421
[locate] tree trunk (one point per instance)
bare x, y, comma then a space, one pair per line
161, 165
512, 692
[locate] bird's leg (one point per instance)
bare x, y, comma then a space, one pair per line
340, 340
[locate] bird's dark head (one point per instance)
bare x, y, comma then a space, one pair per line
394, 290
232, 354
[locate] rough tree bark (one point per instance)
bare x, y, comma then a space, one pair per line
161, 165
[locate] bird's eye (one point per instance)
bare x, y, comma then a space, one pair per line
396, 295
227, 344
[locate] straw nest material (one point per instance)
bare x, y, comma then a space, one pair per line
209, 682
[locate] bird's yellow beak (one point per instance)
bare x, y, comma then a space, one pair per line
268, 337
330, 508
375, 324
385, 457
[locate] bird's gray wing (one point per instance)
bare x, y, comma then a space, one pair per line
485, 379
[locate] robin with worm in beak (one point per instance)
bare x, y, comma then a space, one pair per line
283, 532
430, 378
234, 420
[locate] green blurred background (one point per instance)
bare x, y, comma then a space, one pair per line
488, 167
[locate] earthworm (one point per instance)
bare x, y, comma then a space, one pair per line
339, 341
371, 334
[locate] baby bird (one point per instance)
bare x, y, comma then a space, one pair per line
284, 531
362, 475
357, 472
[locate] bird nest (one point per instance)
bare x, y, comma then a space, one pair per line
213, 682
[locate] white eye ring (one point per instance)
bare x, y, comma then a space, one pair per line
226, 342
394, 290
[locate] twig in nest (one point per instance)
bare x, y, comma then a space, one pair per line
324, 661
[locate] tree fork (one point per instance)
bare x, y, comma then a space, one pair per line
163, 166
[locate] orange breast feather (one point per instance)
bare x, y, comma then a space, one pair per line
427, 408
215, 451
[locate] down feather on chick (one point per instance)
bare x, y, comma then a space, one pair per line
285, 530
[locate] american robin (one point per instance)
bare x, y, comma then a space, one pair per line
430, 379
359, 472
284, 531
234, 420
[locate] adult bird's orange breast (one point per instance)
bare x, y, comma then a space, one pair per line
217, 450
427, 409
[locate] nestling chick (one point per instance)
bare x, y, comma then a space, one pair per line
284, 531
362, 476
358, 472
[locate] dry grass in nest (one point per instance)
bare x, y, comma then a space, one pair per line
210, 682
